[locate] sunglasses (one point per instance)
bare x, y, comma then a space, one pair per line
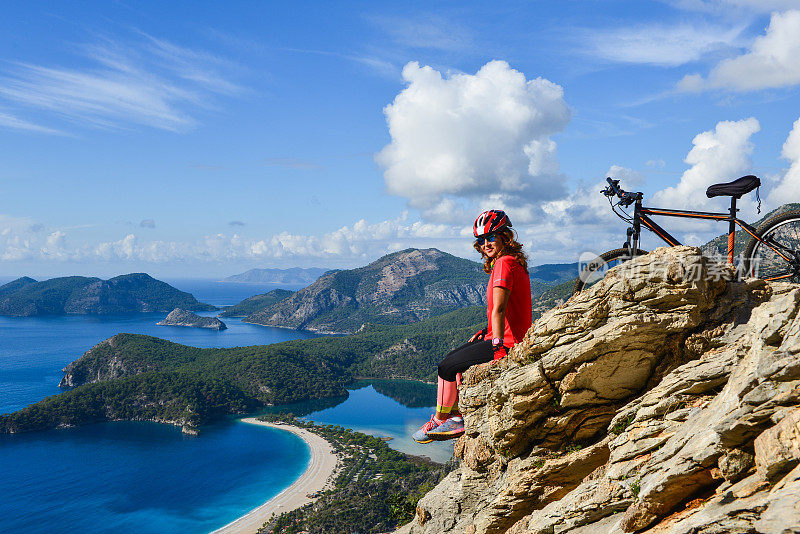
488, 238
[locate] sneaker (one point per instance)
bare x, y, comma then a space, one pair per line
452, 428
421, 435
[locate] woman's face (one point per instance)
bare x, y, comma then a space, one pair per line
492, 249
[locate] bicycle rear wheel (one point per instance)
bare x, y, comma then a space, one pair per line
595, 270
775, 255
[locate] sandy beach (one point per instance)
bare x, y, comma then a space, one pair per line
318, 474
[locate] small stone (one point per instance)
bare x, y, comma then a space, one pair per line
735, 464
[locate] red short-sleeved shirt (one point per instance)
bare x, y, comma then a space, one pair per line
508, 273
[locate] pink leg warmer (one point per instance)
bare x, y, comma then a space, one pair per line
446, 395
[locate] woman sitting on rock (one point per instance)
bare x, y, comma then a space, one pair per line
509, 317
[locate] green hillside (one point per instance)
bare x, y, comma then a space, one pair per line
256, 303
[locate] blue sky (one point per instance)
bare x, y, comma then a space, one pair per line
206, 138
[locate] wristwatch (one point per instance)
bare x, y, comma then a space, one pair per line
497, 341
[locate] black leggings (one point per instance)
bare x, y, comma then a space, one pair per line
464, 357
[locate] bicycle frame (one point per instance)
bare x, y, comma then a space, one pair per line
641, 217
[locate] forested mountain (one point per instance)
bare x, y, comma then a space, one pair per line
295, 275
137, 292
553, 273
398, 288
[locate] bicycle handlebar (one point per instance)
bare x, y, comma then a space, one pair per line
625, 198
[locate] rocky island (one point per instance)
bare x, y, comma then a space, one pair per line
179, 317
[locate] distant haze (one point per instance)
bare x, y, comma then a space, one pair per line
295, 275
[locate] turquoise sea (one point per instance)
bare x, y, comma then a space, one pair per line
150, 478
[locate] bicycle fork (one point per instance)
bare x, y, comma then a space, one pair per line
633, 232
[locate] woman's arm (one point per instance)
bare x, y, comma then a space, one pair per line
499, 303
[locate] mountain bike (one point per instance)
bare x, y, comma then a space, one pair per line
773, 252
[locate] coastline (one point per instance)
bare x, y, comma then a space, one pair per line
319, 474
320, 332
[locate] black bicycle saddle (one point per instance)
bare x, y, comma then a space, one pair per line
736, 188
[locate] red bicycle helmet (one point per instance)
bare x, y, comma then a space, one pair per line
490, 221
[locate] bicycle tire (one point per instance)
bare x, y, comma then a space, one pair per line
763, 262
607, 257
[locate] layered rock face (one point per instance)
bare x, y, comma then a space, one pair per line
663, 399
179, 317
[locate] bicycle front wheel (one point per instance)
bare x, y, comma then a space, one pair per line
595, 270
775, 253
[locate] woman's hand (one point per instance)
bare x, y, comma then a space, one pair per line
479, 335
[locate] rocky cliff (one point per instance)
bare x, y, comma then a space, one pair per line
663, 400
179, 317
399, 288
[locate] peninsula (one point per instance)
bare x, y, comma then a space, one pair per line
137, 377
317, 477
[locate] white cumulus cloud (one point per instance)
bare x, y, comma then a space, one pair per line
718, 155
773, 61
460, 138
